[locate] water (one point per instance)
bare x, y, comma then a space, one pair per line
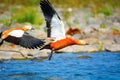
66, 66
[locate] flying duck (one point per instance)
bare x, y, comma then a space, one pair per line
55, 29
19, 36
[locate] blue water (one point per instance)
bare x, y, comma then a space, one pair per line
65, 66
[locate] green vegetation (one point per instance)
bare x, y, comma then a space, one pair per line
100, 47
22, 15
102, 26
19, 2
113, 28
5, 22
28, 14
105, 11
66, 15
26, 10
68, 3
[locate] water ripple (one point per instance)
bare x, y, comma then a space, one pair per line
66, 66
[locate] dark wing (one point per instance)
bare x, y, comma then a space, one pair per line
55, 27
48, 12
1, 41
0, 34
26, 41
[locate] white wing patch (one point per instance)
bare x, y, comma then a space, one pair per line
57, 28
16, 33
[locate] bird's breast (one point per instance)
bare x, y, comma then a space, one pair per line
62, 43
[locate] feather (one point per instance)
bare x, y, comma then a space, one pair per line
30, 42
0, 34
54, 24
26, 41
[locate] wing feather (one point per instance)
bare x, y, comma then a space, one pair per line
53, 21
26, 41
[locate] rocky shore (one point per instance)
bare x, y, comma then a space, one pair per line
101, 33
96, 41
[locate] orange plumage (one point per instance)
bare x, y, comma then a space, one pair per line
6, 32
72, 31
55, 29
62, 43
19, 36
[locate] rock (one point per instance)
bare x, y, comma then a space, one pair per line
5, 55
2, 27
79, 48
113, 47
91, 40
10, 54
82, 57
117, 39
7, 52
42, 54
108, 42
38, 59
19, 56
114, 18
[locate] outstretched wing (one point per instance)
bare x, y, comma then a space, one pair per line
0, 34
26, 41
54, 24
1, 41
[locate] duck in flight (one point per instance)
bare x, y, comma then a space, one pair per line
19, 36
55, 29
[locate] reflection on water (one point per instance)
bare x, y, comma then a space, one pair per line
66, 66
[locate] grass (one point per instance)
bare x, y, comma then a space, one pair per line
25, 17
28, 14
28, 8
5, 22
100, 47
102, 26
66, 15
114, 28
23, 14
105, 11
67, 3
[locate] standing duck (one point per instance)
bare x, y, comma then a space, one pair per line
55, 29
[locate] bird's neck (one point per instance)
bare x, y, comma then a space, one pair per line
24, 29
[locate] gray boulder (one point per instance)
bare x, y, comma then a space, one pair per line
113, 47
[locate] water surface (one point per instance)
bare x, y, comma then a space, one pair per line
65, 66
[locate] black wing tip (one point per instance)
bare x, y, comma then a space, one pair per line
31, 42
44, 1
47, 9
0, 34
46, 4
33, 46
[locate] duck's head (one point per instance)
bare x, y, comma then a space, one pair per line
28, 27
